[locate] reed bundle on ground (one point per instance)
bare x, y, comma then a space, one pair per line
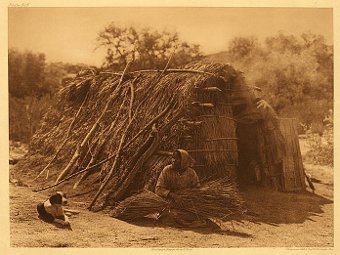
138, 206
218, 200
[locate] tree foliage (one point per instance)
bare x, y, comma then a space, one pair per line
321, 147
32, 84
242, 47
26, 74
294, 72
149, 49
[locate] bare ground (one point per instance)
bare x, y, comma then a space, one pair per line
282, 220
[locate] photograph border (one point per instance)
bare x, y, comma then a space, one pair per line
4, 127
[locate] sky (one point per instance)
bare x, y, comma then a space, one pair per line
69, 34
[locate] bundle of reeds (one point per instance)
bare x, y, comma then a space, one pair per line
216, 199
138, 206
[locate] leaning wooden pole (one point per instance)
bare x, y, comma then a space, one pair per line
65, 139
108, 177
102, 144
76, 154
143, 156
170, 71
151, 122
132, 97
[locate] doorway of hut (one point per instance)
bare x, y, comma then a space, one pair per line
249, 170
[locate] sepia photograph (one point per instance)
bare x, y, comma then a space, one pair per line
170, 127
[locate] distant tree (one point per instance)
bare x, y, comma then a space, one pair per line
32, 86
284, 43
26, 74
147, 48
58, 74
26, 81
241, 47
54, 74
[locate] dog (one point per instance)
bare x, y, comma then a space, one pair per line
52, 210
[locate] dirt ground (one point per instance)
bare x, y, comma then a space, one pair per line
282, 220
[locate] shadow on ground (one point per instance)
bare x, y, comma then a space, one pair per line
273, 208
210, 229
264, 207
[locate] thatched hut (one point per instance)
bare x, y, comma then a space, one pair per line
114, 131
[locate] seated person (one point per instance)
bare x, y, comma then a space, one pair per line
175, 177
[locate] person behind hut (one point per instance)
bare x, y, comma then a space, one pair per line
176, 177
274, 143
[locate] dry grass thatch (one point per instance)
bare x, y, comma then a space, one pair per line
118, 128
